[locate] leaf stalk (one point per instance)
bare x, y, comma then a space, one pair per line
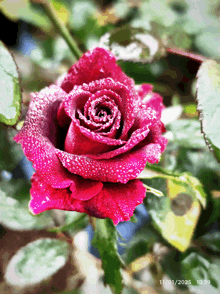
61, 28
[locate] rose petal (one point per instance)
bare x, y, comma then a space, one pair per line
38, 136
95, 65
136, 138
44, 197
124, 99
148, 122
85, 189
64, 115
116, 201
41, 116
144, 89
151, 99
156, 103
118, 169
77, 143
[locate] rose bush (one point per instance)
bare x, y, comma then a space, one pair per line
89, 136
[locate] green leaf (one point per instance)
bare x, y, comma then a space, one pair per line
138, 248
186, 179
121, 8
199, 15
155, 171
74, 221
141, 243
105, 240
10, 98
133, 219
172, 36
197, 268
158, 11
29, 12
208, 42
208, 97
37, 261
140, 72
186, 133
172, 268
14, 213
212, 240
82, 10
13, 11
10, 152
175, 36
134, 44
176, 214
190, 108
202, 164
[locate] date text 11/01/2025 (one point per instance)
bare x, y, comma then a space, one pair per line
183, 282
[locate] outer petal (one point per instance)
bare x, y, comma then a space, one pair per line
38, 136
116, 201
95, 65
83, 189
150, 99
144, 89
118, 169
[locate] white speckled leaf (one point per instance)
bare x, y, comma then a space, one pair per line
36, 262
134, 44
10, 98
208, 97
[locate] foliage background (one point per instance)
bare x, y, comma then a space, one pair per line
181, 240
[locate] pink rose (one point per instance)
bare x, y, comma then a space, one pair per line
89, 137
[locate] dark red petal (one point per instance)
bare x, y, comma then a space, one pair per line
123, 97
118, 169
116, 201
42, 153
136, 138
38, 136
83, 189
77, 143
66, 113
44, 197
95, 65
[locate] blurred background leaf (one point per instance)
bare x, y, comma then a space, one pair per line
37, 261
10, 99
14, 213
10, 152
208, 96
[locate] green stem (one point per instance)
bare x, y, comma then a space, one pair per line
52, 14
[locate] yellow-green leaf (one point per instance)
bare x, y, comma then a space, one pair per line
176, 214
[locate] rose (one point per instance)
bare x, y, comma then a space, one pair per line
89, 136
